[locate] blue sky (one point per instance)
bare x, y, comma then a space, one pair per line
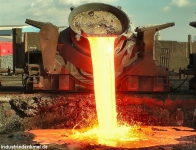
140, 12
30, 29
181, 12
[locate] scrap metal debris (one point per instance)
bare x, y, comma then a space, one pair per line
96, 22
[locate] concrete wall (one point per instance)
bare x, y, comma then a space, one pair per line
179, 57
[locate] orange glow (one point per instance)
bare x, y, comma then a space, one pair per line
120, 134
147, 136
102, 54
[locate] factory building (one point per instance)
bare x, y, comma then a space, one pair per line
6, 45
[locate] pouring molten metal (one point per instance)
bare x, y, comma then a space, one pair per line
102, 53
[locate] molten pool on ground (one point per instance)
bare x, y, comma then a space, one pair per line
146, 137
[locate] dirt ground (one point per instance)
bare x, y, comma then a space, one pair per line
62, 111
21, 115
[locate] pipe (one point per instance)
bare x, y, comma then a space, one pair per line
190, 51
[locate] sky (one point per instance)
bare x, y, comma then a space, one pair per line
140, 13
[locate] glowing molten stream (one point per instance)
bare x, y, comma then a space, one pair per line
102, 53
